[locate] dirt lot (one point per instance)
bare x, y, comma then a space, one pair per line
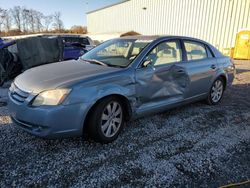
193, 146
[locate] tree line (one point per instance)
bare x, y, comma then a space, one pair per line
21, 20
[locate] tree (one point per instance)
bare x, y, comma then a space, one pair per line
25, 19
58, 24
47, 22
7, 21
14, 32
38, 16
21, 20
17, 16
31, 20
2, 17
78, 29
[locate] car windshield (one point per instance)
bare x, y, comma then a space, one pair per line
116, 53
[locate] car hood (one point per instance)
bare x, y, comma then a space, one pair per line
58, 74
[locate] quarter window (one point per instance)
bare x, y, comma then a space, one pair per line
165, 53
195, 50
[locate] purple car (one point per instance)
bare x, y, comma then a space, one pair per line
73, 50
76, 46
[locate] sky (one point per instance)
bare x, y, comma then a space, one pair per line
73, 11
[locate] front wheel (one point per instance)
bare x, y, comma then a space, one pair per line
106, 121
216, 92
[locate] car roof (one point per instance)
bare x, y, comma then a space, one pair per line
156, 37
142, 37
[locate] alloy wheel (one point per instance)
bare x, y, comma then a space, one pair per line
217, 91
111, 119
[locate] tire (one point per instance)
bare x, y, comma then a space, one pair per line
216, 92
106, 120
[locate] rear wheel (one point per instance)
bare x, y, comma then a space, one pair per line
216, 92
106, 121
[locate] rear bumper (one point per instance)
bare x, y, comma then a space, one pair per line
49, 121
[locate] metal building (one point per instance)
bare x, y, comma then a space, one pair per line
215, 21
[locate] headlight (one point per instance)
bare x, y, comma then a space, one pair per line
51, 97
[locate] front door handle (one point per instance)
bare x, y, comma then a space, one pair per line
213, 66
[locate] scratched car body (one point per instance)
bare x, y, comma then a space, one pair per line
120, 79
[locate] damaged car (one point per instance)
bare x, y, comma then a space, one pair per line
120, 79
19, 55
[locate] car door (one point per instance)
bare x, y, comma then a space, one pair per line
201, 67
161, 79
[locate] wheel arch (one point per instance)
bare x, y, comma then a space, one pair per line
224, 78
221, 75
124, 100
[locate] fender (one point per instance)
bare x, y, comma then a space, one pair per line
218, 74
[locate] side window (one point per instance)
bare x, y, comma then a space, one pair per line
165, 53
195, 50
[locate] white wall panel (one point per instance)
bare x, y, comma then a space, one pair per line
216, 21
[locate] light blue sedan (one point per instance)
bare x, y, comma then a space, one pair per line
120, 79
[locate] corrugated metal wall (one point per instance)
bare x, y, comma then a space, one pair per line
216, 21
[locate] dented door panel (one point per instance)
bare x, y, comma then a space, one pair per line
161, 85
200, 72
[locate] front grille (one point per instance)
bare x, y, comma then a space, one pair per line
17, 94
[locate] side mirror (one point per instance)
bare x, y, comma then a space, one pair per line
146, 63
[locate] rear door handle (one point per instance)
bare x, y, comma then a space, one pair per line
213, 66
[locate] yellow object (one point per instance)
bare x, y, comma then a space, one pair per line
242, 45
231, 52
228, 52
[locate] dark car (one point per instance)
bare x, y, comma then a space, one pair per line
79, 39
73, 50
74, 45
19, 55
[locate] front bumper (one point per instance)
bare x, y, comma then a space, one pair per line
49, 121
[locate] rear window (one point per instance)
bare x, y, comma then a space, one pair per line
81, 40
195, 50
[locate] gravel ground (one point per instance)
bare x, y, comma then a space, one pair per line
192, 146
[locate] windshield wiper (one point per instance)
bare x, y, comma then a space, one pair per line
95, 61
